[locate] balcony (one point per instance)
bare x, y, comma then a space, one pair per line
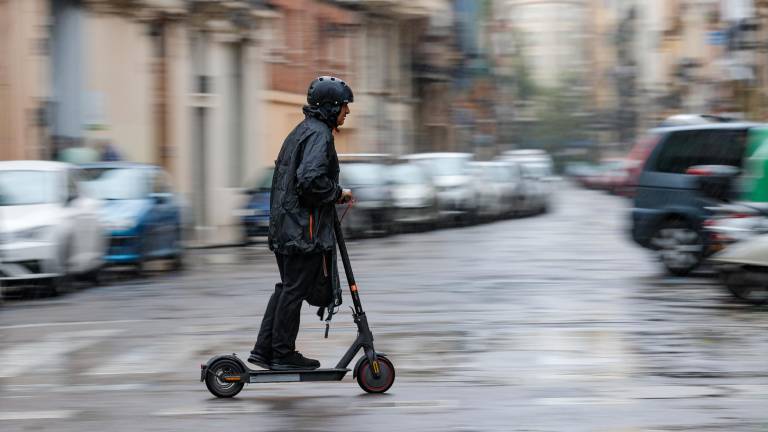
399, 8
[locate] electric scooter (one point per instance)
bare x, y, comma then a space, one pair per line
226, 375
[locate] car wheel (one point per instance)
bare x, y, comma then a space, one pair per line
245, 239
680, 247
96, 277
140, 268
60, 284
178, 261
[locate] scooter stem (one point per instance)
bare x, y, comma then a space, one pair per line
358, 307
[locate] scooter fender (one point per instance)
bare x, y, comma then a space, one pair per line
204, 368
361, 360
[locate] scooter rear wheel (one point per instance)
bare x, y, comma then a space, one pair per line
215, 382
368, 382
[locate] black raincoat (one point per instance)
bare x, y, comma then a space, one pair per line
305, 189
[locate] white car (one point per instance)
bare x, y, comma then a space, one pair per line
538, 170
496, 197
414, 195
456, 188
48, 230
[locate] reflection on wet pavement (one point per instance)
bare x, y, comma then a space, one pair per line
549, 323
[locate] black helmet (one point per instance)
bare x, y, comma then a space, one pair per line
328, 90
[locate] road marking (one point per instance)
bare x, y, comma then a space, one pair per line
132, 362
213, 409
172, 355
75, 388
414, 404
37, 415
62, 324
581, 401
48, 354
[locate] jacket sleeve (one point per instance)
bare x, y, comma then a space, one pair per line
315, 185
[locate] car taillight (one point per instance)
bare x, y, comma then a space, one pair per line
698, 171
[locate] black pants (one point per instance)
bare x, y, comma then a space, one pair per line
280, 325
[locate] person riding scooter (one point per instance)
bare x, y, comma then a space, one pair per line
305, 189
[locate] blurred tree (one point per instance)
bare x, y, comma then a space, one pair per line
560, 118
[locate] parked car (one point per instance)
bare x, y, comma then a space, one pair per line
497, 192
368, 178
670, 205
255, 215
49, 230
456, 188
140, 211
414, 196
539, 173
605, 174
537, 191
540, 160
635, 161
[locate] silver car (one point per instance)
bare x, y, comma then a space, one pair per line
456, 187
414, 196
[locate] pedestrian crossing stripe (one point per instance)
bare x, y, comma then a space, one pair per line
48, 354
37, 415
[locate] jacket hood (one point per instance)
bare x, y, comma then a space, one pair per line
324, 113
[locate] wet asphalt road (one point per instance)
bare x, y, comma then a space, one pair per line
548, 323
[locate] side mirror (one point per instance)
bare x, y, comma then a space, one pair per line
160, 197
715, 181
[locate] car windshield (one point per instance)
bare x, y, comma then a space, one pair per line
448, 166
116, 183
27, 187
538, 169
407, 173
362, 174
500, 174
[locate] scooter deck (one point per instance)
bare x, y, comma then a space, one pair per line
268, 376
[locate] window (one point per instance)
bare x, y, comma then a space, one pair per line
161, 183
72, 188
685, 149
19, 187
116, 183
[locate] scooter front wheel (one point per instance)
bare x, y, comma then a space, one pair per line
220, 378
368, 381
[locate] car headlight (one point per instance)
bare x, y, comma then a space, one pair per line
30, 234
120, 224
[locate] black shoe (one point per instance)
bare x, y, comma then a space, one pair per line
259, 360
294, 361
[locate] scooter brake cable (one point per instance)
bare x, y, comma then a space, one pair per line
349, 206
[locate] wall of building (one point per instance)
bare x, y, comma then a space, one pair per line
23, 78
118, 85
554, 32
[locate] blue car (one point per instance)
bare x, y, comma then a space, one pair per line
140, 211
255, 215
